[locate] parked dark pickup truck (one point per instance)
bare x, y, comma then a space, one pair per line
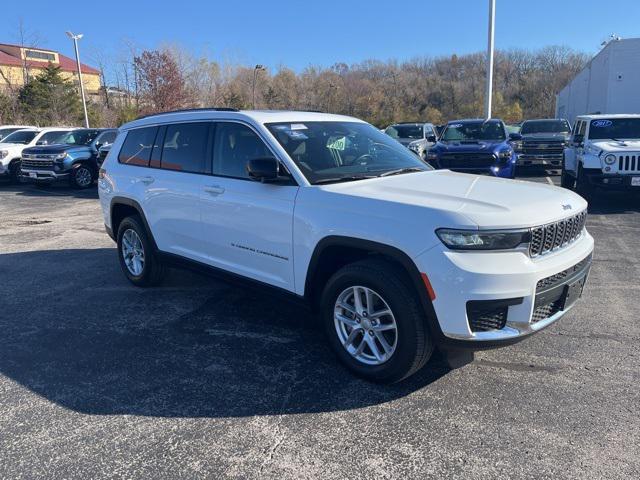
542, 142
74, 158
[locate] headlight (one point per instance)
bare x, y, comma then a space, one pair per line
61, 156
4, 153
482, 240
505, 154
610, 159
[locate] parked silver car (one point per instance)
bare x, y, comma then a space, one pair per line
417, 137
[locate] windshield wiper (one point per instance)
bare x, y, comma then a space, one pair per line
350, 178
401, 171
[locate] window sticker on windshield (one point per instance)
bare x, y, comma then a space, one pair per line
298, 126
602, 123
337, 144
296, 135
455, 125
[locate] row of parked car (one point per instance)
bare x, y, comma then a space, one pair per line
599, 151
47, 155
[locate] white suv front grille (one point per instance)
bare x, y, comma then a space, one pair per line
629, 163
556, 235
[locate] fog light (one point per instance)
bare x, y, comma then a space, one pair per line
495, 169
607, 169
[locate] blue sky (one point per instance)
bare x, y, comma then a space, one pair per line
321, 32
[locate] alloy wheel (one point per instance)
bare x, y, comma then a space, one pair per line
133, 252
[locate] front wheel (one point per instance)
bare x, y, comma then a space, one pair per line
81, 176
14, 171
583, 187
567, 180
374, 321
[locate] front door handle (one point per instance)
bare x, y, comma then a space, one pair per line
214, 189
147, 180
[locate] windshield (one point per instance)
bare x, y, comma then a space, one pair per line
414, 132
615, 128
21, 136
337, 151
50, 138
80, 137
473, 131
547, 126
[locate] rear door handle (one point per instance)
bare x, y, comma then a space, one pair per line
147, 180
214, 189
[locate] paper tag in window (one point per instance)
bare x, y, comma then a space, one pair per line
338, 143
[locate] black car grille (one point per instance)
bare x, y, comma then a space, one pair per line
482, 321
36, 163
629, 163
559, 277
555, 235
542, 148
467, 160
545, 311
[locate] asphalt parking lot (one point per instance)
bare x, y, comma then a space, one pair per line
198, 378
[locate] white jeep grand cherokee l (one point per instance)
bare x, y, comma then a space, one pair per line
396, 257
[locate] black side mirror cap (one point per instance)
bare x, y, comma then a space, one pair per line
515, 136
263, 169
432, 139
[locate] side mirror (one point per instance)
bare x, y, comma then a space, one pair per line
578, 140
263, 169
515, 136
432, 139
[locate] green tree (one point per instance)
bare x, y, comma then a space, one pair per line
49, 99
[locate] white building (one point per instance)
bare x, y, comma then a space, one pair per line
610, 83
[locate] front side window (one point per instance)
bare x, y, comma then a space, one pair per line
546, 126
136, 149
80, 137
234, 145
329, 152
412, 132
21, 136
106, 138
614, 128
185, 147
51, 138
6, 131
474, 131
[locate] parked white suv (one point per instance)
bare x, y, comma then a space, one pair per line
604, 151
396, 257
13, 144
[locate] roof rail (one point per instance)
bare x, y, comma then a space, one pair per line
200, 109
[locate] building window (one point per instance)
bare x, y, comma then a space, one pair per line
34, 54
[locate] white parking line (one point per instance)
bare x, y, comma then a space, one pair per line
549, 180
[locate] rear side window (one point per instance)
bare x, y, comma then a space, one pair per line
234, 146
185, 147
106, 138
136, 149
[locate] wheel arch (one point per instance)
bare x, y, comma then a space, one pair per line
122, 207
333, 252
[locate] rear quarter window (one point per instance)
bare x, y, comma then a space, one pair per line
136, 149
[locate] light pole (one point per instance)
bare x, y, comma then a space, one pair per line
489, 87
75, 39
257, 68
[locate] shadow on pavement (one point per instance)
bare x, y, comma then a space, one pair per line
603, 202
58, 190
78, 334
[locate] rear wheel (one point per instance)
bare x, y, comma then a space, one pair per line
374, 323
137, 257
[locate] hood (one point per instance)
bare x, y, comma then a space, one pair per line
55, 149
11, 145
481, 201
614, 146
551, 137
470, 146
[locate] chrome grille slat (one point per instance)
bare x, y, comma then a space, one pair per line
555, 235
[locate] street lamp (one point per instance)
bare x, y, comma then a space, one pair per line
75, 39
490, 43
257, 68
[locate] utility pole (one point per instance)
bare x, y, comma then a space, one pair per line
488, 96
257, 68
75, 39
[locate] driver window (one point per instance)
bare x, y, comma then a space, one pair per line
234, 145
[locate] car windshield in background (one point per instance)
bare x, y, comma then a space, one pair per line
473, 131
414, 132
22, 137
80, 137
339, 151
550, 126
615, 128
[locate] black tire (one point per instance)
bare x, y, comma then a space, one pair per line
583, 187
567, 180
414, 346
14, 171
153, 270
80, 173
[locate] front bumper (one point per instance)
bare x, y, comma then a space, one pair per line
462, 278
42, 175
614, 181
526, 160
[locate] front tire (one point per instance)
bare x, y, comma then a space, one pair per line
138, 259
81, 176
567, 180
583, 187
374, 322
14, 172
